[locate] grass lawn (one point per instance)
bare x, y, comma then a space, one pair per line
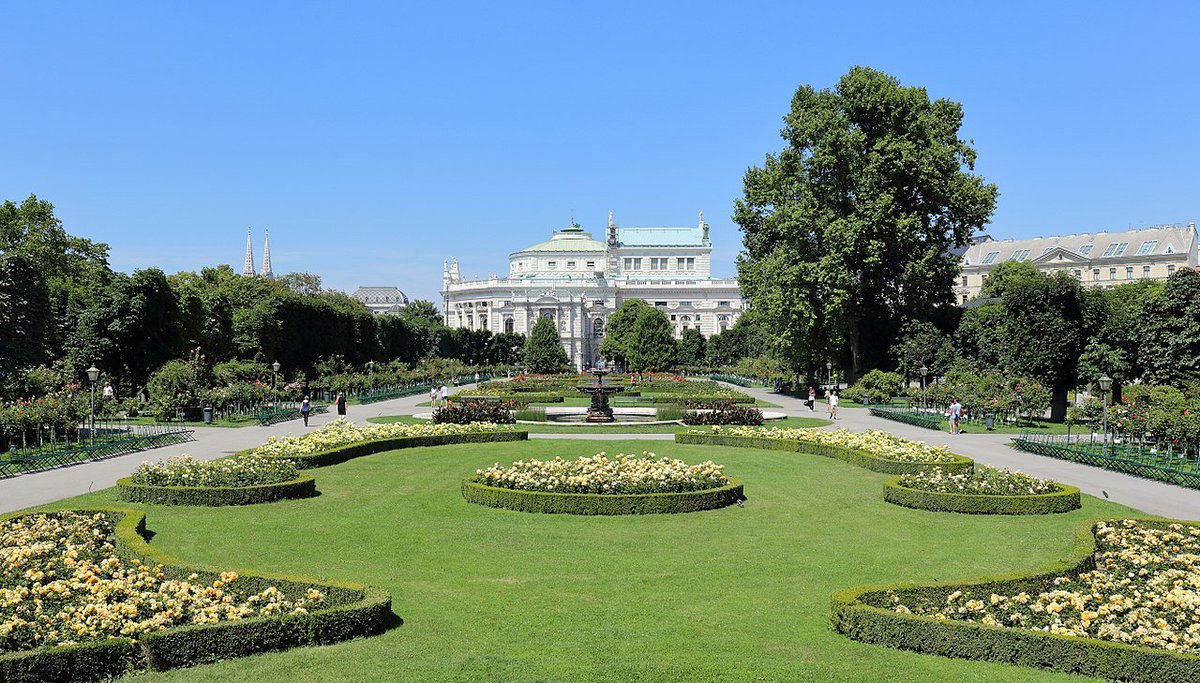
738, 594
628, 429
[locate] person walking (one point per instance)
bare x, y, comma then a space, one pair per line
444, 393
812, 400
341, 403
833, 405
954, 413
305, 409
433, 394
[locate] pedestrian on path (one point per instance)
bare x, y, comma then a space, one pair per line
341, 403
445, 395
812, 400
954, 414
305, 409
833, 405
433, 395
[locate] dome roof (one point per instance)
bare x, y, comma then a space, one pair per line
570, 238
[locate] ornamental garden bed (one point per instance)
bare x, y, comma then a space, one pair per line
302, 486
89, 599
603, 485
341, 440
240, 480
986, 491
1126, 611
875, 450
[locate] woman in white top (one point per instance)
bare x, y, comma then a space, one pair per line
833, 404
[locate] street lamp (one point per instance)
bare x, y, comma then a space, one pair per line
1105, 384
274, 381
829, 373
924, 371
93, 374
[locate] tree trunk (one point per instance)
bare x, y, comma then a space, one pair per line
1116, 393
853, 334
1058, 403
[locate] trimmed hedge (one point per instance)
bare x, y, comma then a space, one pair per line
357, 450
1063, 500
601, 504
303, 486
521, 397
351, 610
855, 457
861, 614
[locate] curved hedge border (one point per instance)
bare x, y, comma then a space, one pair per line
961, 465
303, 486
601, 504
1063, 500
858, 614
357, 450
353, 610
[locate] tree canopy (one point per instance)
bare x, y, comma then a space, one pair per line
651, 344
543, 349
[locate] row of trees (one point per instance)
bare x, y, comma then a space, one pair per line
65, 307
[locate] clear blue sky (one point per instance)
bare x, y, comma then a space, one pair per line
376, 139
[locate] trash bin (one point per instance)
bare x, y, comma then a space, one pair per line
989, 421
208, 412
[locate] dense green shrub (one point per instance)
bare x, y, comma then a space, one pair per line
852, 456
875, 387
724, 413
96, 661
302, 486
357, 450
1063, 500
602, 504
475, 410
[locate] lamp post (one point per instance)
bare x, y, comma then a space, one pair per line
829, 373
274, 382
1105, 385
924, 371
93, 374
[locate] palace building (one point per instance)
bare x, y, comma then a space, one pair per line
579, 281
1100, 259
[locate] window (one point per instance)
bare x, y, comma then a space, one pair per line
547, 313
508, 325
660, 304
591, 265
983, 278
658, 263
1145, 271
1079, 275
483, 323
1047, 250
722, 303
685, 303
633, 264
1170, 249
552, 265
1095, 273
1116, 249
672, 318
1112, 273
570, 265
598, 327
1147, 247
964, 298
991, 257
1086, 249
1129, 273
964, 281
1171, 269
682, 263
1019, 255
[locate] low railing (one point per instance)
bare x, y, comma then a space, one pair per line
1139, 459
110, 440
912, 416
285, 413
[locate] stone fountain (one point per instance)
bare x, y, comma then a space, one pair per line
599, 411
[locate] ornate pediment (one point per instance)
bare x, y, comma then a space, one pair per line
1060, 255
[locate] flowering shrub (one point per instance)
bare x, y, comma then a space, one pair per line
878, 443
620, 474
62, 582
343, 432
983, 481
724, 413
1145, 590
246, 470
468, 411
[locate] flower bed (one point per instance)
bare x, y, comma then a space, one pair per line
600, 485
476, 410
874, 450
86, 598
985, 491
1130, 611
724, 413
226, 472
341, 440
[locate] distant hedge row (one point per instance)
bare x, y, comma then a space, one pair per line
352, 610
863, 614
1063, 500
303, 486
357, 450
961, 465
601, 504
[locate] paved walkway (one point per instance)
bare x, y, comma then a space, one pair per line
993, 449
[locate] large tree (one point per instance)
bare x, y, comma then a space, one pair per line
543, 348
692, 347
651, 345
1171, 331
848, 230
618, 331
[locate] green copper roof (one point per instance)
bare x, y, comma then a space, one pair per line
571, 238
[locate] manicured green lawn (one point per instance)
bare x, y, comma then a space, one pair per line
738, 594
625, 429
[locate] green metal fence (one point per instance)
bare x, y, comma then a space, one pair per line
912, 416
107, 441
1139, 459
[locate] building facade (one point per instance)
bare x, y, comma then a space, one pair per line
578, 281
1100, 259
381, 300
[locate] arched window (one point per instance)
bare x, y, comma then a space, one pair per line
598, 327
508, 324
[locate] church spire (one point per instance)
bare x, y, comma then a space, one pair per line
266, 269
248, 265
